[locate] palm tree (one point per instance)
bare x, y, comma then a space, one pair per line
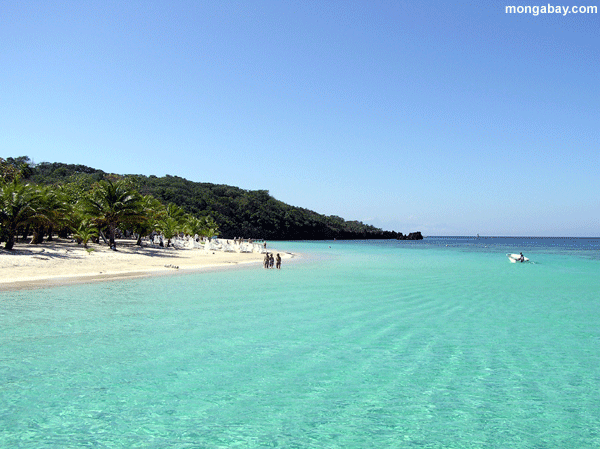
18, 204
151, 210
112, 203
175, 212
53, 210
211, 229
84, 232
168, 227
171, 222
68, 211
194, 225
203, 226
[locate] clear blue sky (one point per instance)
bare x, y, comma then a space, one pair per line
452, 118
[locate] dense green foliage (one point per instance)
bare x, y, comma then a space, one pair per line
237, 212
86, 208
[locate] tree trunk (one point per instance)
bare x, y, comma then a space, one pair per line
10, 238
111, 235
38, 235
25, 232
50, 231
103, 237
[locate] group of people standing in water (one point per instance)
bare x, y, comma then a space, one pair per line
270, 261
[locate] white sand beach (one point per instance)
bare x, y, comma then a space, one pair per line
64, 262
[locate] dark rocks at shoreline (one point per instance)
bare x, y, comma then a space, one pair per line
412, 236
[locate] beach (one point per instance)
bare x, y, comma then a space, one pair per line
65, 262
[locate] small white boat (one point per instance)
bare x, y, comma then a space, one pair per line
514, 258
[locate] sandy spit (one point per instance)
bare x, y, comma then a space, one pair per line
64, 262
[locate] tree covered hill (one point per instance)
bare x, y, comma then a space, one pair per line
238, 212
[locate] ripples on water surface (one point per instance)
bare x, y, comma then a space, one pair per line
379, 344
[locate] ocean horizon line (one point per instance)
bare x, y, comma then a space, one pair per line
504, 237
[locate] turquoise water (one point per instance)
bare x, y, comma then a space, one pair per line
435, 344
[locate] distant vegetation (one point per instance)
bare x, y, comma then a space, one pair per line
77, 198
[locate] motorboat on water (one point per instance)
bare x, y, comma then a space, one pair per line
514, 258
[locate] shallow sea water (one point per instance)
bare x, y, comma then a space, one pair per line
435, 344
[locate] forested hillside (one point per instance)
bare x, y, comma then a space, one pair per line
237, 212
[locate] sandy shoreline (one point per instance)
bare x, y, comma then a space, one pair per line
64, 262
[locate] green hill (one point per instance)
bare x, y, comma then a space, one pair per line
238, 212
